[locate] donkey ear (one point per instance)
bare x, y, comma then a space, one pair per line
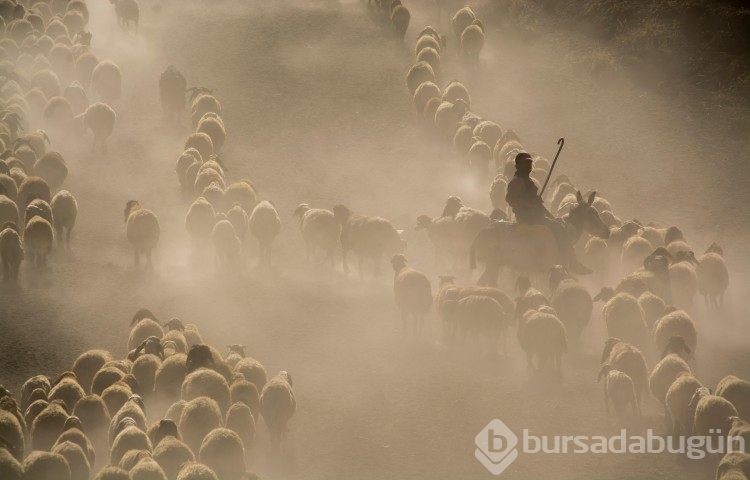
579, 197
591, 198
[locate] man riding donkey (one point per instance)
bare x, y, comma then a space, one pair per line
506, 244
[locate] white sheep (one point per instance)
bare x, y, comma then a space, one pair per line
418, 74
200, 221
44, 465
424, 92
541, 334
202, 102
205, 382
713, 276
240, 220
462, 19
442, 233
571, 301
737, 391
618, 389
319, 230
242, 192
712, 414
11, 252
198, 418
100, 118
412, 292
223, 452
677, 323
472, 41
38, 238
201, 142
226, 243
212, 125
431, 57
665, 373
447, 117
367, 237
142, 231
106, 82
624, 317
52, 168
628, 359
65, 212
277, 405
264, 224
677, 403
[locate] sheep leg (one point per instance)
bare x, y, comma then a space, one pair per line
67, 236
136, 258
60, 239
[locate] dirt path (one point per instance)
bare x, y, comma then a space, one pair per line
316, 111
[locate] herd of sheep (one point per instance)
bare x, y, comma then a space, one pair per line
176, 408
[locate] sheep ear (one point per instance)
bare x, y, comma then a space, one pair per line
591, 198
579, 197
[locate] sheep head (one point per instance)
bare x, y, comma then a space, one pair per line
237, 348
424, 222
673, 234
557, 274
609, 344
523, 284
452, 205
301, 209
286, 376
166, 428
398, 262
131, 207
341, 213
175, 324
198, 356
142, 314
604, 370
71, 423
715, 248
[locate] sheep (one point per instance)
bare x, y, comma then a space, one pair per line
205, 382
212, 125
241, 419
31, 384
412, 292
264, 224
472, 41
541, 334
246, 392
675, 324
172, 87
277, 405
171, 453
133, 457
11, 252
100, 118
46, 465
432, 58
47, 426
202, 102
236, 353
147, 468
8, 207
226, 243
130, 438
463, 139
677, 401
367, 237
571, 301
713, 277
58, 115
196, 471
479, 155
740, 429
144, 324
529, 299
38, 238
198, 418
67, 389
112, 473
653, 308
400, 17
623, 317
619, 389
47, 81
10, 467
127, 12
441, 231
418, 74
734, 466
634, 252
84, 68
12, 433
424, 92
64, 210
76, 95
736, 391
51, 167
144, 370
242, 192
142, 231
75, 435
664, 374
163, 429
427, 41
106, 82
130, 414
200, 221
175, 411
39, 208
94, 416
628, 359
447, 117
320, 231
79, 465
462, 19
712, 414
201, 142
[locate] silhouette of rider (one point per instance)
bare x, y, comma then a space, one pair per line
528, 207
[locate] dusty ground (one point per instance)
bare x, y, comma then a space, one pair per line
317, 111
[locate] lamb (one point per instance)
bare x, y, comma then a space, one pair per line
127, 12
277, 405
212, 125
677, 402
665, 373
713, 276
64, 211
418, 74
38, 238
736, 391
142, 231
412, 292
619, 389
675, 324
624, 317
172, 87
198, 418
628, 359
472, 41
400, 17
100, 118
319, 230
46, 465
368, 237
52, 168
571, 301
264, 225
712, 414
11, 252
106, 82
542, 334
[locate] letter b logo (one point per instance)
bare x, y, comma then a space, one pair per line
496, 447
